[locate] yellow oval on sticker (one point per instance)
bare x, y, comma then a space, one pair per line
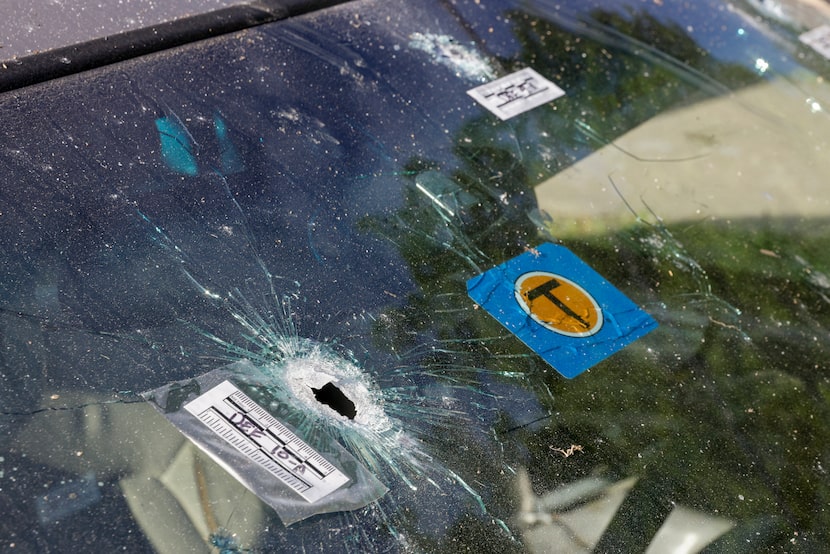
558, 304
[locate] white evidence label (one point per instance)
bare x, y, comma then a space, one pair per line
516, 93
245, 425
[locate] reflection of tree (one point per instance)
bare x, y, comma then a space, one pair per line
726, 416
742, 415
622, 69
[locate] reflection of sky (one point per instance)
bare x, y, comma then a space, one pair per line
726, 32
722, 30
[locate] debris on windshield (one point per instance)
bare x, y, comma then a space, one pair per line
464, 60
568, 452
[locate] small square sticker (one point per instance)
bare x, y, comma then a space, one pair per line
516, 93
560, 307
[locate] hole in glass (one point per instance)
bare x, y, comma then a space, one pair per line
334, 398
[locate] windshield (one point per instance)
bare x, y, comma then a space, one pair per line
301, 207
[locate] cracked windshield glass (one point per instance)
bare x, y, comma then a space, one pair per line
435, 276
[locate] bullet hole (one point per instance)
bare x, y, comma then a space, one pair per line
334, 398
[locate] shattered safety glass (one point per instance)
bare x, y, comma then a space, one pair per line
433, 276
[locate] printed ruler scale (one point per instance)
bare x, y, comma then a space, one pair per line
254, 432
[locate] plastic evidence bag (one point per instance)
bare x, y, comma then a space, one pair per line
227, 414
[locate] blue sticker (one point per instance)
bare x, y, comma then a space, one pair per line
560, 307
